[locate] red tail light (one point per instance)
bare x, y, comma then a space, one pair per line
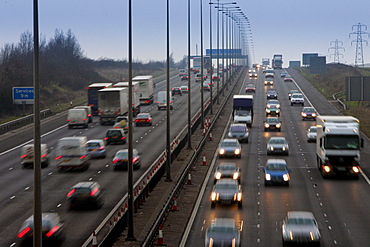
71, 192
136, 120
68, 120
58, 157
94, 191
82, 157
44, 155
124, 137
157, 102
115, 161
135, 159
24, 156
102, 147
52, 231
84, 119
24, 232
89, 115
106, 138
148, 120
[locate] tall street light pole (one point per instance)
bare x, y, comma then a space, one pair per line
202, 65
210, 55
189, 82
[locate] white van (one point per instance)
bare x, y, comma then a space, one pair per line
71, 153
87, 109
77, 117
27, 158
162, 98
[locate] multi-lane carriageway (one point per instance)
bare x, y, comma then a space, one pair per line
339, 205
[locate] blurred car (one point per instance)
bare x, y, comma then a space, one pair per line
230, 148
276, 172
184, 89
308, 113
184, 77
96, 148
52, 230
288, 78
85, 195
300, 227
272, 109
215, 77
273, 102
271, 94
283, 74
27, 155
222, 232
227, 170
206, 87
272, 123
250, 88
120, 159
122, 123
268, 81
292, 92
176, 91
239, 131
311, 134
143, 119
252, 73
297, 98
226, 191
277, 145
115, 136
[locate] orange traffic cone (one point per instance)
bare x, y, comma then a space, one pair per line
189, 178
204, 160
160, 236
174, 206
94, 240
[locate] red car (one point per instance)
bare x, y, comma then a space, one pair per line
143, 119
250, 88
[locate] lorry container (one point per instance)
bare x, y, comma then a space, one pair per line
113, 102
162, 100
135, 95
265, 62
92, 95
338, 145
277, 62
146, 88
243, 109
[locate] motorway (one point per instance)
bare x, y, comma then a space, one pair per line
340, 206
16, 197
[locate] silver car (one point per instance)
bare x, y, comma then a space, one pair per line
222, 232
300, 227
227, 170
277, 145
230, 148
226, 191
311, 134
239, 131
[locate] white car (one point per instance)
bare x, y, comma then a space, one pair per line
277, 145
297, 98
311, 134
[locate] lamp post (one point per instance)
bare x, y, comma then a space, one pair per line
201, 65
189, 81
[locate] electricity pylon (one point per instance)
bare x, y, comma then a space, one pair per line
336, 50
359, 59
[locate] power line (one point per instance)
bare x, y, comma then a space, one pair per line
359, 59
336, 50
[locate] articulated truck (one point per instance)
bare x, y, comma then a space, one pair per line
338, 146
113, 102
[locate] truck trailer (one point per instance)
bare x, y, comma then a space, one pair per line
338, 146
146, 88
243, 109
277, 62
135, 95
92, 95
113, 102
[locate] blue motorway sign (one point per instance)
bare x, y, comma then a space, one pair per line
23, 95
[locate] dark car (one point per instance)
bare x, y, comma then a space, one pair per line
276, 172
120, 159
176, 91
227, 170
206, 87
226, 191
52, 230
85, 195
272, 123
250, 88
239, 131
184, 77
222, 232
308, 113
230, 148
143, 119
115, 136
268, 81
272, 109
96, 148
271, 94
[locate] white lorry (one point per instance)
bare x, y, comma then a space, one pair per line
338, 145
135, 95
243, 109
162, 100
113, 102
146, 88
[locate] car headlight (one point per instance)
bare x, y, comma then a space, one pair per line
267, 110
268, 106
355, 169
278, 106
267, 177
271, 148
304, 114
313, 114
237, 151
286, 177
222, 151
214, 196
277, 111
236, 175
284, 148
267, 125
218, 175
268, 95
239, 196
278, 125
326, 168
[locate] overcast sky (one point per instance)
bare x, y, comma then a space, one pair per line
287, 27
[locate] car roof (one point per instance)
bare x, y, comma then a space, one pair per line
85, 184
277, 138
95, 140
229, 140
276, 161
300, 214
227, 181
227, 164
229, 222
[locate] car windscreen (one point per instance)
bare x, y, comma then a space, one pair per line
222, 186
93, 145
242, 113
226, 168
239, 129
277, 141
276, 167
114, 133
301, 221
